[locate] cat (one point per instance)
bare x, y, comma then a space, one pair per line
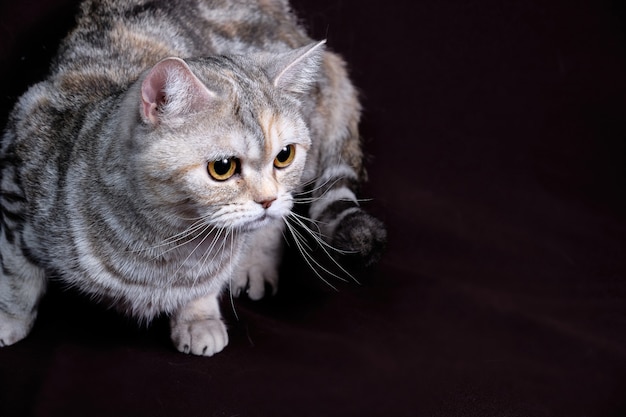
159, 163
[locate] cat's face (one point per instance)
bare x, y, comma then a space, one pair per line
231, 176
233, 159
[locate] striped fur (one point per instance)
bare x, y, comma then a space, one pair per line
105, 166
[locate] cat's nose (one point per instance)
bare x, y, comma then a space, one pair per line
267, 202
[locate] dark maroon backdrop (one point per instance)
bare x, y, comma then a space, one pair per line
497, 135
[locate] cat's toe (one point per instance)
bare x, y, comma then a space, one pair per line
262, 281
362, 236
256, 281
200, 337
239, 284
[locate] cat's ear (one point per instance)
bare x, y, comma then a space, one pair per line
170, 91
297, 70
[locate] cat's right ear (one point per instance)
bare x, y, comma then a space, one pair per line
297, 70
170, 91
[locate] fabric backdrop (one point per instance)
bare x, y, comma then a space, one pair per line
497, 141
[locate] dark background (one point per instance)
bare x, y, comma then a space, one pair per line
497, 135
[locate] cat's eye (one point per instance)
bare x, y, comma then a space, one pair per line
285, 156
223, 169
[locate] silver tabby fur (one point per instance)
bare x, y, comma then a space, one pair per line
104, 165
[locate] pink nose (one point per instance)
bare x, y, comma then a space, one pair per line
267, 202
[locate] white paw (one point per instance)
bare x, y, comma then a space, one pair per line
12, 329
258, 266
200, 337
252, 278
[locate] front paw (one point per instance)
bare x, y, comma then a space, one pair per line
197, 327
199, 337
256, 278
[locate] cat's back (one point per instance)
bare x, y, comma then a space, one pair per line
116, 40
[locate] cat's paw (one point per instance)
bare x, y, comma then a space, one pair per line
197, 327
362, 236
255, 278
256, 274
200, 337
13, 329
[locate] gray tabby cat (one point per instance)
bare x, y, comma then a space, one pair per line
160, 161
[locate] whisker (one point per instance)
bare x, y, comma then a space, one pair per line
204, 238
173, 239
308, 219
183, 235
309, 182
205, 257
308, 258
309, 200
230, 280
200, 263
302, 239
318, 236
311, 191
324, 245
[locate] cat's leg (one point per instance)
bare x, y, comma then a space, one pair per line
342, 222
258, 267
21, 286
335, 208
197, 327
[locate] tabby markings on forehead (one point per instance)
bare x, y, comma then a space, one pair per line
277, 132
269, 126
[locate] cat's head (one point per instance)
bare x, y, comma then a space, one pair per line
224, 138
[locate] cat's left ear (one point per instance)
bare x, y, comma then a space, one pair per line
296, 71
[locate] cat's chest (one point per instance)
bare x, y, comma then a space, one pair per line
181, 262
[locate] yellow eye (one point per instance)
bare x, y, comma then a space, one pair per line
285, 156
223, 169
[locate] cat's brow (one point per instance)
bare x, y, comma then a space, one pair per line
268, 121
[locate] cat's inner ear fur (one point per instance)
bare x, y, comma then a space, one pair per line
296, 71
170, 90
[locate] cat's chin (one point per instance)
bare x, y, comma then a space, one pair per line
259, 223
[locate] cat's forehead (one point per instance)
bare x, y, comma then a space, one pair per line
269, 132
227, 75
255, 135
249, 116
276, 129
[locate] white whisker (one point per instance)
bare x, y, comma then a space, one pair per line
307, 219
202, 240
202, 262
324, 245
318, 235
175, 238
308, 258
318, 187
230, 279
